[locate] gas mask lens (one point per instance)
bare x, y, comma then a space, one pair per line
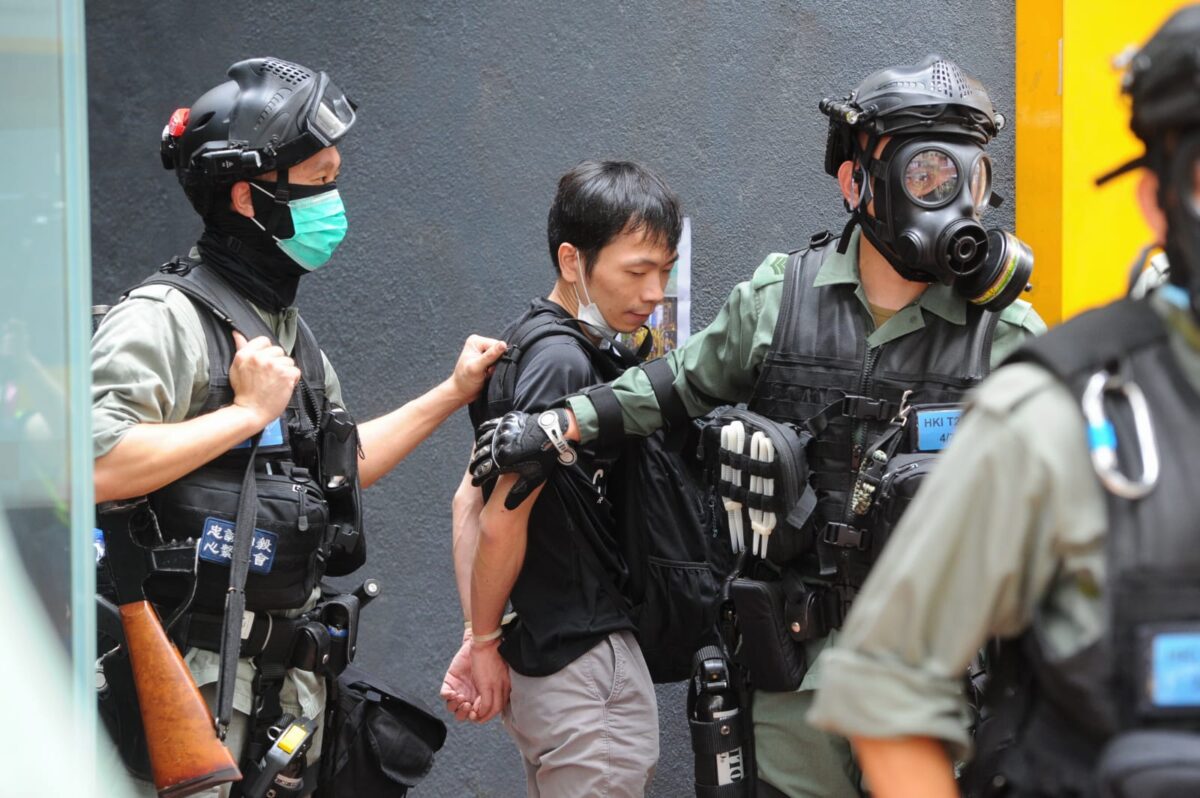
981, 182
931, 178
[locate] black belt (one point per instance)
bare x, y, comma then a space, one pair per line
271, 637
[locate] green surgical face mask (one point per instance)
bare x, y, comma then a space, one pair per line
319, 225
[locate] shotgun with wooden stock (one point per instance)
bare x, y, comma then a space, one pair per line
185, 755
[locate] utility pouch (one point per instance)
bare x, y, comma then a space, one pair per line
339, 476
1150, 764
377, 741
339, 615
898, 485
775, 661
289, 531
339, 450
775, 487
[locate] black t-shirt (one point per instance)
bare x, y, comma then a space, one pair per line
563, 604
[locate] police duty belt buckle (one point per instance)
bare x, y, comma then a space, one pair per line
548, 421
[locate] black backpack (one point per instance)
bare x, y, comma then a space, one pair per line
673, 544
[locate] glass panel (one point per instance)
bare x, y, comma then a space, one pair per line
46, 555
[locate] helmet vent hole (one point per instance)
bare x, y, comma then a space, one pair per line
948, 80
204, 120
288, 73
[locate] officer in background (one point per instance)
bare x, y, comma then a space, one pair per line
182, 404
843, 336
1062, 520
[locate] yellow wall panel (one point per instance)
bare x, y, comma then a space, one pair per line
1039, 149
1084, 237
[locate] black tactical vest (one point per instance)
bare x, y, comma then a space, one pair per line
1053, 717
303, 529
820, 367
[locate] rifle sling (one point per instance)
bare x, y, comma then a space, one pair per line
235, 599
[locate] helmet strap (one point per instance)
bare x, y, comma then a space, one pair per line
283, 195
858, 213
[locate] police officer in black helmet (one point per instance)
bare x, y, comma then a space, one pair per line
847, 339
206, 380
1062, 520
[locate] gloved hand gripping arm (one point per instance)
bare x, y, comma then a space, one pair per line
529, 445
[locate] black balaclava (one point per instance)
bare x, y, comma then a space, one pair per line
247, 256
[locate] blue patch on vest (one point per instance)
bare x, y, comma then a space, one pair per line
216, 545
934, 428
1175, 669
272, 436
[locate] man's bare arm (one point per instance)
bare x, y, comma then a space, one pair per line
149, 456
906, 767
465, 511
499, 555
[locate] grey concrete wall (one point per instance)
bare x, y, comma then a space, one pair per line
469, 113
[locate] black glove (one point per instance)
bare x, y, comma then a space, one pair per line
524, 444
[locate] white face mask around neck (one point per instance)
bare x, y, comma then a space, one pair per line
589, 312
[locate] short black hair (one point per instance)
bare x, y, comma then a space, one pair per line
599, 200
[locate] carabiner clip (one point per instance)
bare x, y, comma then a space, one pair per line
1102, 435
901, 417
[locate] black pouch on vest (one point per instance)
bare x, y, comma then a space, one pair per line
1150, 764
897, 487
793, 498
378, 742
339, 476
288, 535
775, 661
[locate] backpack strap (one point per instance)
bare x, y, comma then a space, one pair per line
228, 310
1093, 340
610, 419
206, 288
674, 414
798, 264
502, 386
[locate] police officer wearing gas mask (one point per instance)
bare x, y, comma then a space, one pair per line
1062, 520
209, 388
836, 349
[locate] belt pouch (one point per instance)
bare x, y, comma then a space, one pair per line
776, 662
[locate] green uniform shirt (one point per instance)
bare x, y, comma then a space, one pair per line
1007, 534
721, 363
150, 365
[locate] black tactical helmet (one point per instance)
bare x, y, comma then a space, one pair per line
934, 96
1163, 82
271, 114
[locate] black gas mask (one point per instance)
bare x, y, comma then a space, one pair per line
932, 180
928, 195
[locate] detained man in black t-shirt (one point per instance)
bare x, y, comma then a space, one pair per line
567, 673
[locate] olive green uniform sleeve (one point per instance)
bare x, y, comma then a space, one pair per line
1018, 322
718, 365
150, 363
1012, 513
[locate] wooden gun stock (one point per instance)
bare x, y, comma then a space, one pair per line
185, 755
